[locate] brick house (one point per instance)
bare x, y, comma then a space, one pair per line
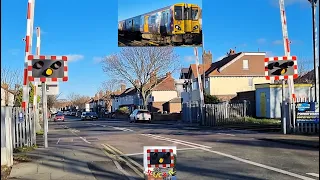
162, 93
234, 73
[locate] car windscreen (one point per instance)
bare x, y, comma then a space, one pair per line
59, 114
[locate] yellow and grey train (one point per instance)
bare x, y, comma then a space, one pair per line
176, 24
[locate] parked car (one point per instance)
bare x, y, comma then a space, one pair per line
78, 114
140, 115
66, 113
73, 113
58, 117
89, 115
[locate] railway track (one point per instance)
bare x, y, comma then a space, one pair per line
122, 42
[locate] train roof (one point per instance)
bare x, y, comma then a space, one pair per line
161, 9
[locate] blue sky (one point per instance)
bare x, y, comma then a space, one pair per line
88, 31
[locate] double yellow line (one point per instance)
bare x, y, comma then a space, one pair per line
118, 156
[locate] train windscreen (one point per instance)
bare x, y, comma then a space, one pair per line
195, 13
178, 12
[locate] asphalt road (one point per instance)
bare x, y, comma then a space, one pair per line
201, 154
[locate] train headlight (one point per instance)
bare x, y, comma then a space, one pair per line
195, 27
178, 27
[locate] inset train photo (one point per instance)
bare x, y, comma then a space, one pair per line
178, 24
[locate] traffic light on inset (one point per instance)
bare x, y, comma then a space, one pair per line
47, 68
160, 158
281, 67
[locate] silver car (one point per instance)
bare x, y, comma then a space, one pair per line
140, 115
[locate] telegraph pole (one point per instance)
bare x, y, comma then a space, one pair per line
314, 39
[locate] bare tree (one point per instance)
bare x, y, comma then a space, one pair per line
11, 80
11, 77
138, 65
109, 87
52, 100
78, 100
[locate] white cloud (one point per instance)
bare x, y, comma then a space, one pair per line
269, 54
74, 57
261, 40
14, 52
189, 58
277, 42
97, 60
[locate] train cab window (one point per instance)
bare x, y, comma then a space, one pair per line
178, 13
195, 13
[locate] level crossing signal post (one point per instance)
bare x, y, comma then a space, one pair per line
282, 68
47, 69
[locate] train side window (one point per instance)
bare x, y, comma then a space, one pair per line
178, 13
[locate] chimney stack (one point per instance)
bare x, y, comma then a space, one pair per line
153, 78
5, 86
136, 82
123, 87
168, 74
207, 57
231, 52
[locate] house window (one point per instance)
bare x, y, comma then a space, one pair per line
250, 81
245, 64
195, 85
206, 85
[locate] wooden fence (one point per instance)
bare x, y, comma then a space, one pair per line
217, 114
17, 130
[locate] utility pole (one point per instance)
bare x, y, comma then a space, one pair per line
315, 49
204, 81
199, 85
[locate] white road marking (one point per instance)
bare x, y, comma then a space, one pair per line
58, 141
226, 134
178, 141
81, 137
237, 158
313, 174
135, 154
84, 139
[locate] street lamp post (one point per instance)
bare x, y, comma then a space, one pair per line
316, 73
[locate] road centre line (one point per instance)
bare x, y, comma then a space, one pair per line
135, 154
238, 159
80, 137
313, 174
226, 134
180, 141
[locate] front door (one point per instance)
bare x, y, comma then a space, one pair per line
263, 110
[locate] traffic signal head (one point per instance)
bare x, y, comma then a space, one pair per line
280, 68
47, 68
160, 158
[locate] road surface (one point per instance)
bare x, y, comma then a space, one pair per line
201, 154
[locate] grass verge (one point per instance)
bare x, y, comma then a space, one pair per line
251, 120
40, 132
24, 149
5, 172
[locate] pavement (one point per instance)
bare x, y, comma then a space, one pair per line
113, 149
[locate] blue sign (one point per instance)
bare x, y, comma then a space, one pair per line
302, 107
20, 117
